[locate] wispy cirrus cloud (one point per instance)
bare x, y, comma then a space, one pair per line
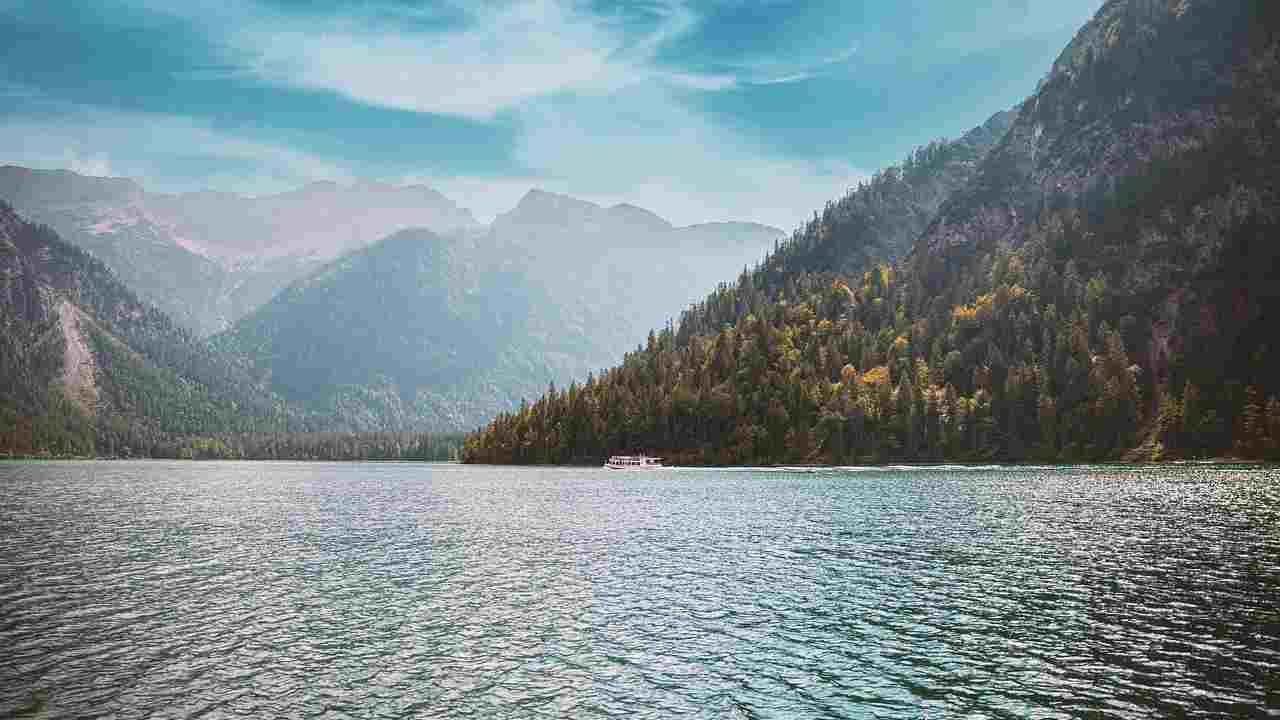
599, 115
505, 56
698, 109
475, 62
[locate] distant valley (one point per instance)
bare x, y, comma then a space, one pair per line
1090, 277
374, 307
1086, 276
208, 258
439, 331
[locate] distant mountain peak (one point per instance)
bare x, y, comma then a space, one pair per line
542, 207
321, 185
23, 186
539, 200
634, 215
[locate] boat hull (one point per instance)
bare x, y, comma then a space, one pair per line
611, 466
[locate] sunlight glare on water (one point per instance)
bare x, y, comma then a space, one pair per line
389, 590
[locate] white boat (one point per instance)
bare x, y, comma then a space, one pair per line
633, 462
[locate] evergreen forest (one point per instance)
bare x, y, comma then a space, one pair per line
1102, 288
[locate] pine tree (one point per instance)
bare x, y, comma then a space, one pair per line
1193, 420
1273, 429
1249, 441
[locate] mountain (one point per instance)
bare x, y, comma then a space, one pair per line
540, 212
450, 321
1143, 82
613, 273
207, 258
1098, 285
323, 219
390, 336
432, 332
876, 223
85, 365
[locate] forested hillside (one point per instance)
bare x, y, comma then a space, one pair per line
1101, 286
875, 223
206, 258
392, 336
427, 332
86, 367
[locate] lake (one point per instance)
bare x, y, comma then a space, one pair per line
133, 589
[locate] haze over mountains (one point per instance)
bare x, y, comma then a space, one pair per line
440, 331
374, 307
1083, 277
207, 258
85, 365
1097, 283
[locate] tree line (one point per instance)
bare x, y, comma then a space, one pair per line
1065, 347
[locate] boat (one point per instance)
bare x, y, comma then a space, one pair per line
633, 462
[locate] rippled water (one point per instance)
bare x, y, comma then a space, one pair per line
387, 590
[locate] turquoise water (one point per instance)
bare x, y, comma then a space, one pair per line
398, 590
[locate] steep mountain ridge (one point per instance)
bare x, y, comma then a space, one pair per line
1142, 80
85, 365
877, 222
440, 333
366, 336
208, 258
1102, 286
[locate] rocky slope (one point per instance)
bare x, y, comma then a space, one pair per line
207, 259
1146, 157
433, 332
86, 366
1144, 80
610, 274
1101, 286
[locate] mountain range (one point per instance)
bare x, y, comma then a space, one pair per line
208, 258
1098, 284
85, 364
1088, 276
441, 331
443, 321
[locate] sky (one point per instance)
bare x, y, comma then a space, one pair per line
699, 111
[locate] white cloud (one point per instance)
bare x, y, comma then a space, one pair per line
522, 51
596, 115
648, 150
503, 57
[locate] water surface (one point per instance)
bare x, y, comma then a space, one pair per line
397, 590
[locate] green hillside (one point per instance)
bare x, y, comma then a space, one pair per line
1101, 287
86, 367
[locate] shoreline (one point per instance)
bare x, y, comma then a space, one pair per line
1208, 462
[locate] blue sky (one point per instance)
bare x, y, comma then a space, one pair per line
699, 111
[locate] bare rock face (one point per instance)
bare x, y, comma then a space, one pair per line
208, 258
442, 332
1143, 80
78, 365
76, 343
1155, 138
